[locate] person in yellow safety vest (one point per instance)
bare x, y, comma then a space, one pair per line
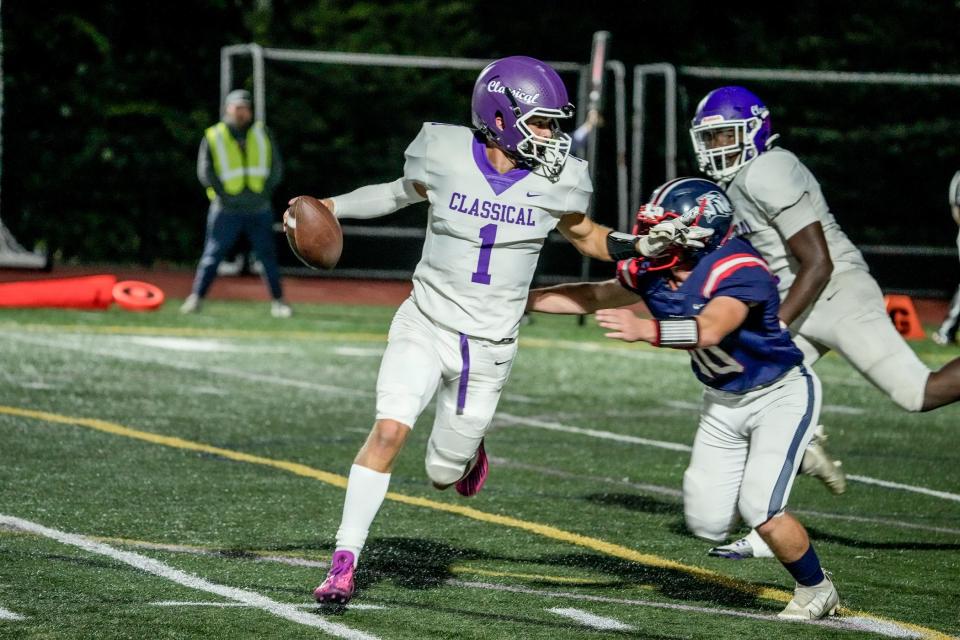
239, 165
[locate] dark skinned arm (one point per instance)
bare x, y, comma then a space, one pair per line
809, 247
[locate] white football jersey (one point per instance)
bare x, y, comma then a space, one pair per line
485, 230
762, 191
954, 194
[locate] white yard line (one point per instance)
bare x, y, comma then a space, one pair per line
853, 623
593, 433
588, 619
6, 614
157, 568
188, 366
945, 495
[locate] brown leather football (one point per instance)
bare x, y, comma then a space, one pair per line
314, 233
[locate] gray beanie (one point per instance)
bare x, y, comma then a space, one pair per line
238, 96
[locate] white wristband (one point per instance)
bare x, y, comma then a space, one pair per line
677, 332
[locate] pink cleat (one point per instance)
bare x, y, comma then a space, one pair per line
338, 587
470, 484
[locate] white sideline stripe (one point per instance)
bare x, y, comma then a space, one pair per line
590, 620
548, 471
177, 603
594, 433
504, 417
157, 568
906, 487
186, 366
255, 557
884, 521
6, 614
843, 409
358, 352
852, 623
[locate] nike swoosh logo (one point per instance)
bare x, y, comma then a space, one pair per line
500, 363
699, 306
533, 195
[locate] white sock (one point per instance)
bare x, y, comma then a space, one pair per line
366, 490
760, 547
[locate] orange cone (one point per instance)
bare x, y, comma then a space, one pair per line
87, 292
904, 316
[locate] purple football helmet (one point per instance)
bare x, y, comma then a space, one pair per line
516, 89
730, 128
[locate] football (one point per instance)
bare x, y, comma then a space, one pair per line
313, 233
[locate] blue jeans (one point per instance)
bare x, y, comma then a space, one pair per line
223, 229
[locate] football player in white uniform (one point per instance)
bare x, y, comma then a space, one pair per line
947, 333
495, 192
829, 299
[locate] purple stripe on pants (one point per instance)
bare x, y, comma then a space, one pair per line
464, 373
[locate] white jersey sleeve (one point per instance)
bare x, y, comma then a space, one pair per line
774, 196
415, 167
954, 195
485, 230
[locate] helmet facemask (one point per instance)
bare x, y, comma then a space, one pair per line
545, 155
722, 162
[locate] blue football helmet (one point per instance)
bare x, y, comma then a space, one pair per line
697, 203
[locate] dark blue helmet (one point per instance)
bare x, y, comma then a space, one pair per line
697, 203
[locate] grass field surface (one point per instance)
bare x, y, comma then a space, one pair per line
170, 477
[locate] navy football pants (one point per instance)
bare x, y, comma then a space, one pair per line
223, 229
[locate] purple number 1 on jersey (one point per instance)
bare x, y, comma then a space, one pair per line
488, 233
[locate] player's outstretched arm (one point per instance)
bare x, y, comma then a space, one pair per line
721, 316
600, 242
375, 200
580, 297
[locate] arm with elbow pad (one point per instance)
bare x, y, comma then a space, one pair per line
375, 200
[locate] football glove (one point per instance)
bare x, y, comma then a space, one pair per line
671, 232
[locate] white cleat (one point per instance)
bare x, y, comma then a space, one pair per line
812, 603
279, 309
192, 304
818, 463
750, 546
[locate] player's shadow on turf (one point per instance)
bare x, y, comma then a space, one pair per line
635, 502
822, 536
413, 563
678, 585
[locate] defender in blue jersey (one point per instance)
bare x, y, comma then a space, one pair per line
760, 404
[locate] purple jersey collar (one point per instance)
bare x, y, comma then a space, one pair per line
499, 182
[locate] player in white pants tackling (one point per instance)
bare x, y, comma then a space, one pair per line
829, 300
495, 192
760, 403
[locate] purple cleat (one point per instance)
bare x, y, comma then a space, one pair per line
470, 484
338, 587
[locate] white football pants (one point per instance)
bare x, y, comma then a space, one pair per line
747, 452
850, 317
466, 374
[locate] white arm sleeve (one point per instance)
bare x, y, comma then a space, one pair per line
375, 200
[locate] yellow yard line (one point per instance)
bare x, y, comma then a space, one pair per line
544, 530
